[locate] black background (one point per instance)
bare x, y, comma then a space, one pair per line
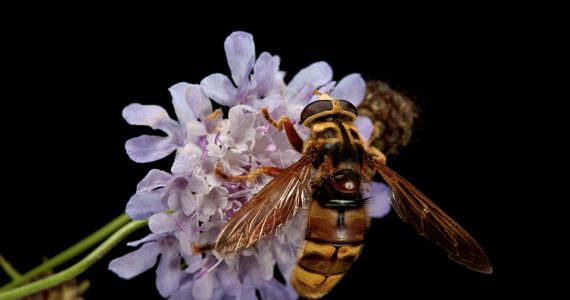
67, 172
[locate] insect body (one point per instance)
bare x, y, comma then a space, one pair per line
327, 184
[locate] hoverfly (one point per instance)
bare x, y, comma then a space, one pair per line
327, 183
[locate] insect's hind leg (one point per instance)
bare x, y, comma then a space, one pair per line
251, 176
285, 123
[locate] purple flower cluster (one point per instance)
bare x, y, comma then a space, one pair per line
191, 204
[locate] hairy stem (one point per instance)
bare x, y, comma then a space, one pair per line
77, 268
70, 253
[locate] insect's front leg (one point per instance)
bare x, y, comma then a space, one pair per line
376, 157
251, 176
284, 122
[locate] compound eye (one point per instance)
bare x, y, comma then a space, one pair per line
346, 181
348, 107
314, 108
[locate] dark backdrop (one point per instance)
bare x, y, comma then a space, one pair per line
67, 173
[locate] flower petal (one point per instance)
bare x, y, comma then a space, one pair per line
219, 88
198, 184
144, 204
351, 88
204, 286
182, 108
161, 223
190, 102
189, 233
228, 280
194, 262
364, 125
263, 72
188, 202
186, 159
211, 202
150, 115
315, 75
154, 179
147, 148
379, 200
273, 289
151, 237
168, 271
247, 290
136, 262
269, 102
240, 52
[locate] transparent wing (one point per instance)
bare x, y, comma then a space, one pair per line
269, 210
431, 222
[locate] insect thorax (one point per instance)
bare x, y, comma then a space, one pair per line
337, 141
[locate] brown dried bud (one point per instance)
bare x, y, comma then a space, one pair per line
392, 114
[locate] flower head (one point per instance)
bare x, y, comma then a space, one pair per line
191, 204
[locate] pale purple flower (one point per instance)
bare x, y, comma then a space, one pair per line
191, 204
190, 104
160, 191
247, 87
144, 258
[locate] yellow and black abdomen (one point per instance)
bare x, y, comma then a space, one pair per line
334, 240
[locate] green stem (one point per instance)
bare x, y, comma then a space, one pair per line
71, 252
77, 268
9, 269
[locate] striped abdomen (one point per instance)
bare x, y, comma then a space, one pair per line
334, 240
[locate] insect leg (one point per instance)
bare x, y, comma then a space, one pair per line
284, 122
251, 176
376, 157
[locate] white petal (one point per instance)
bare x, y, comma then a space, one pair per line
189, 102
315, 75
149, 238
188, 202
144, 204
263, 72
379, 200
240, 52
138, 114
147, 148
181, 106
204, 286
198, 184
161, 223
189, 233
186, 159
220, 89
325, 89
154, 179
194, 262
247, 289
273, 289
136, 262
351, 88
168, 270
196, 128
269, 102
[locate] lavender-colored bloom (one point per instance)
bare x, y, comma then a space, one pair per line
190, 104
247, 88
136, 262
191, 204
